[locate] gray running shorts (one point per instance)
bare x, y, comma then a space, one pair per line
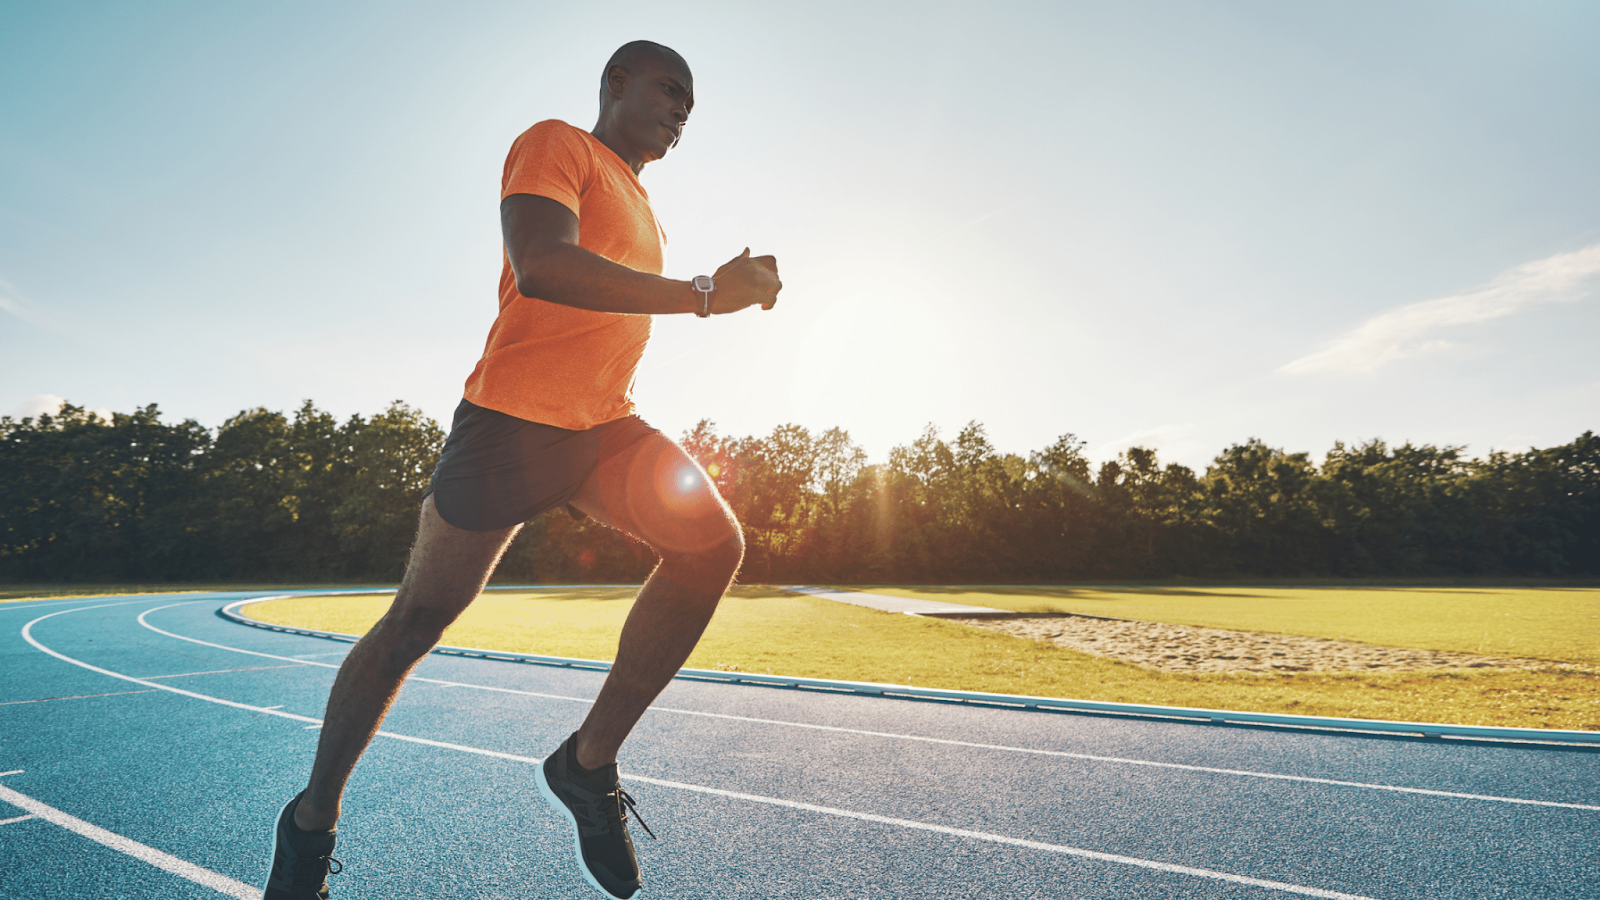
497, 470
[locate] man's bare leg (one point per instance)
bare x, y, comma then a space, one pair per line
447, 569
655, 492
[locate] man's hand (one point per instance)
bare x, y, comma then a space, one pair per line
745, 281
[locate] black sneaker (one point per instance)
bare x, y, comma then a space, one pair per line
598, 808
301, 860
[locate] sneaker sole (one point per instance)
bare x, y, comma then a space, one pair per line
577, 845
272, 855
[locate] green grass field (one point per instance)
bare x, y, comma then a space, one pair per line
1560, 624
761, 629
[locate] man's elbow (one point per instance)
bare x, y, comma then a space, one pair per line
531, 278
534, 268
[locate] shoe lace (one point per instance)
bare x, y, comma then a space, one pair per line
625, 806
309, 871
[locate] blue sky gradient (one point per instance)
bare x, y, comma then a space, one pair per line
1179, 225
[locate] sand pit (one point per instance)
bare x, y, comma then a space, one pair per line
1190, 648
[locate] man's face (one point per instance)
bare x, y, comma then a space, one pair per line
655, 104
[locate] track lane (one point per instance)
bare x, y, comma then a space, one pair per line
1028, 799
668, 710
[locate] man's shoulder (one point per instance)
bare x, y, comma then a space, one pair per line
552, 131
551, 143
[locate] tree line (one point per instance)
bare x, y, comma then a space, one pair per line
274, 497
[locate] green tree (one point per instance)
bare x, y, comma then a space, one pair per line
1542, 508
1263, 500
1405, 510
385, 466
87, 498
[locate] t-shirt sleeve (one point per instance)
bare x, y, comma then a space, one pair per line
548, 160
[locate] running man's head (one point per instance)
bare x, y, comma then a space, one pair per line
646, 94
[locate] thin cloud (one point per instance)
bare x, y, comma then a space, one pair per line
1008, 208
1413, 330
12, 302
1172, 443
48, 404
38, 405
13, 307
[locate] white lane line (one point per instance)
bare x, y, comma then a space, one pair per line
1014, 842
224, 671
12, 772
1118, 760
218, 882
74, 697
308, 662
27, 635
1060, 754
18, 819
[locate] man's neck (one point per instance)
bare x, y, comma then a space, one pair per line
616, 145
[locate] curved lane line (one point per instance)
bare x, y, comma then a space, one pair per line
218, 882
27, 634
438, 681
1061, 754
754, 798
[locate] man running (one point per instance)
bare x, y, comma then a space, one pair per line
548, 421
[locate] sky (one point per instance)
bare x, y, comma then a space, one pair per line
1167, 224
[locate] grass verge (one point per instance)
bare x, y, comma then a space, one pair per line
766, 630
1559, 624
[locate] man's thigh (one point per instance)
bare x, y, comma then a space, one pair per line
448, 568
656, 492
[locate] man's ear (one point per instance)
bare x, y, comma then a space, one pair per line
616, 81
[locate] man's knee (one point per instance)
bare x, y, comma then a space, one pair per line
406, 635
728, 553
717, 552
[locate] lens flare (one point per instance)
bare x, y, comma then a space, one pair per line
671, 503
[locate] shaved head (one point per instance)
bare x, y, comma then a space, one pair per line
646, 95
633, 52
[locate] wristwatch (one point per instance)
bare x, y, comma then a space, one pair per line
705, 286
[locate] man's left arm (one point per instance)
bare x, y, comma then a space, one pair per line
541, 240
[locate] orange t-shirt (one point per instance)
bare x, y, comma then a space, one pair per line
560, 365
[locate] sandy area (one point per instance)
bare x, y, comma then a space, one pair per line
1190, 648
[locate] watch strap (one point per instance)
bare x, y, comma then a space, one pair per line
705, 286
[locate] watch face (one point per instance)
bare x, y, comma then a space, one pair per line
702, 283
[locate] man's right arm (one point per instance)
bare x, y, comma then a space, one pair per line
541, 239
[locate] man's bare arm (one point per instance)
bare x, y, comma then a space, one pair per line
541, 238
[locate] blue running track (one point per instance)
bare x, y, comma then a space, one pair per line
147, 744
